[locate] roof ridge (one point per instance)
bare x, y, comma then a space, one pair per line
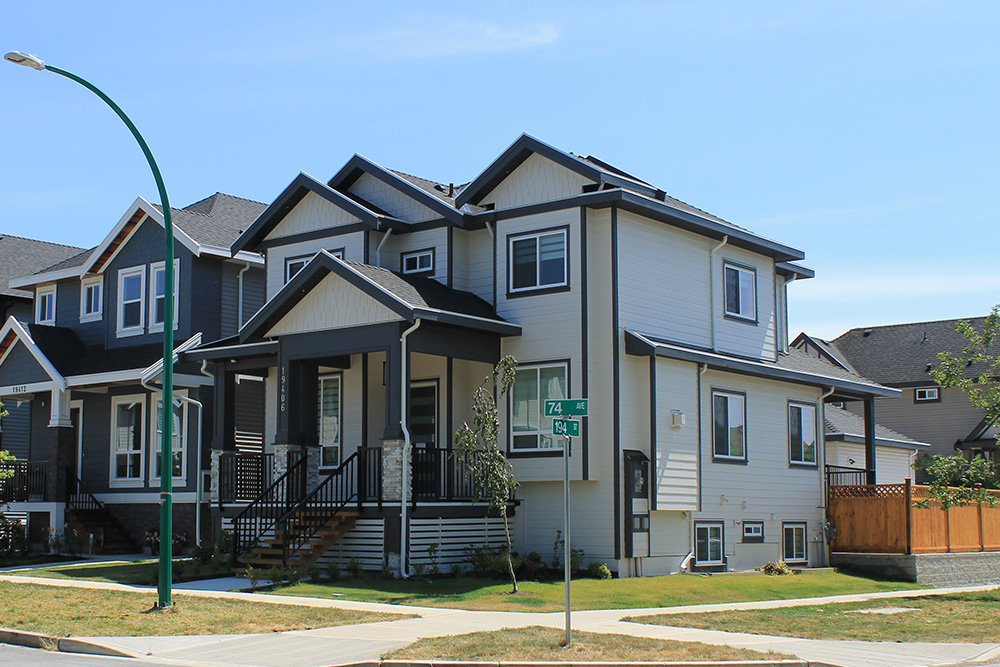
909, 324
25, 238
252, 201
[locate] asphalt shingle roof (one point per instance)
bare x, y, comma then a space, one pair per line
21, 257
840, 422
217, 220
71, 356
902, 353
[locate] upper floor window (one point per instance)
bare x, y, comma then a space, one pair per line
45, 305
926, 395
131, 305
420, 261
157, 295
91, 299
740, 292
729, 419
802, 433
537, 261
295, 264
533, 385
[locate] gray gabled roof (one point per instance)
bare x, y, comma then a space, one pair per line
20, 257
839, 424
218, 220
903, 354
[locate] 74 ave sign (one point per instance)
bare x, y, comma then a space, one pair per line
575, 407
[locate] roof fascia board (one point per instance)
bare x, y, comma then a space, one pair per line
800, 272
885, 442
262, 349
151, 212
104, 378
460, 319
15, 327
821, 348
156, 368
512, 157
275, 212
48, 277
360, 162
639, 345
26, 389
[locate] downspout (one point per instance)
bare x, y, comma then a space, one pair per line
711, 287
378, 250
239, 306
404, 394
821, 435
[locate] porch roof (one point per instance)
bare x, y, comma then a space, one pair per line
839, 424
410, 297
793, 366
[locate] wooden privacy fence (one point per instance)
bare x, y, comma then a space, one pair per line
881, 518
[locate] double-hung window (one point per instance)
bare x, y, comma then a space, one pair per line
740, 292
127, 440
537, 261
178, 439
802, 433
91, 301
793, 543
708, 544
420, 261
329, 420
533, 385
729, 425
157, 295
131, 303
45, 308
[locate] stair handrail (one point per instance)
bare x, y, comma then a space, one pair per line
319, 506
269, 507
79, 498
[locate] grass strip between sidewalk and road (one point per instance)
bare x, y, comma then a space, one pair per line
135, 573
640, 592
538, 644
79, 612
962, 618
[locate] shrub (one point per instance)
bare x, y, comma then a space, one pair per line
418, 569
202, 554
333, 571
276, 574
457, 569
313, 571
490, 563
293, 575
355, 567
776, 568
575, 559
13, 537
253, 574
432, 553
597, 570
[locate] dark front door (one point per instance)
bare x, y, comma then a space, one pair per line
422, 423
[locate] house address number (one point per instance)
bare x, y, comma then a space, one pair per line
20, 389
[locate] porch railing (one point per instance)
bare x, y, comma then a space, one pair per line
243, 477
438, 476
335, 492
23, 481
844, 476
370, 474
80, 499
262, 515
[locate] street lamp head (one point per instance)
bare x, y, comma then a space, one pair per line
26, 59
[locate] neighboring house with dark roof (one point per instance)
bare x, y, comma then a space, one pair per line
20, 256
390, 298
845, 449
902, 356
88, 358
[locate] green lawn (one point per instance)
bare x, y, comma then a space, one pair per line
543, 645
967, 617
665, 591
63, 612
139, 573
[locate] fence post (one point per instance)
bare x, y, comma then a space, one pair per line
908, 494
947, 529
982, 540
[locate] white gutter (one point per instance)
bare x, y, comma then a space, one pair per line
378, 250
821, 436
404, 556
711, 287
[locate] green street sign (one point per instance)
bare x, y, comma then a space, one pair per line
567, 427
575, 407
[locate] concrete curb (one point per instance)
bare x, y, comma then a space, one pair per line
61, 644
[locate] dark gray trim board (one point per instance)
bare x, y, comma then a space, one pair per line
616, 379
584, 341
315, 235
640, 345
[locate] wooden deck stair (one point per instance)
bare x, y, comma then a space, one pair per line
270, 554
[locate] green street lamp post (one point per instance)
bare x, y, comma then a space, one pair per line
166, 448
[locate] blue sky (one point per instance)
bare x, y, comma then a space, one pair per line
864, 133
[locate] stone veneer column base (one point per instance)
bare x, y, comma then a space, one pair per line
281, 452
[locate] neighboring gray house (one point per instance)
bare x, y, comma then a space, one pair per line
87, 356
845, 450
19, 257
389, 299
902, 356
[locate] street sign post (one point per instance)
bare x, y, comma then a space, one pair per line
566, 427
576, 407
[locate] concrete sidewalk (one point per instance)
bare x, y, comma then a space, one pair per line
367, 642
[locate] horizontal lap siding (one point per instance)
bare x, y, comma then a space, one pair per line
537, 179
332, 304
893, 464
675, 471
391, 200
591, 515
738, 337
430, 238
15, 436
663, 281
353, 245
480, 264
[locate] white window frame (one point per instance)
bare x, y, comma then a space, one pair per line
753, 531
97, 284
746, 281
931, 395
155, 423
544, 428
418, 256
709, 526
114, 480
808, 419
156, 326
295, 260
511, 240
337, 443
140, 328
730, 397
794, 526
45, 300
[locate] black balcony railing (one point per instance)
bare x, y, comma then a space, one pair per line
23, 481
844, 476
439, 476
243, 477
